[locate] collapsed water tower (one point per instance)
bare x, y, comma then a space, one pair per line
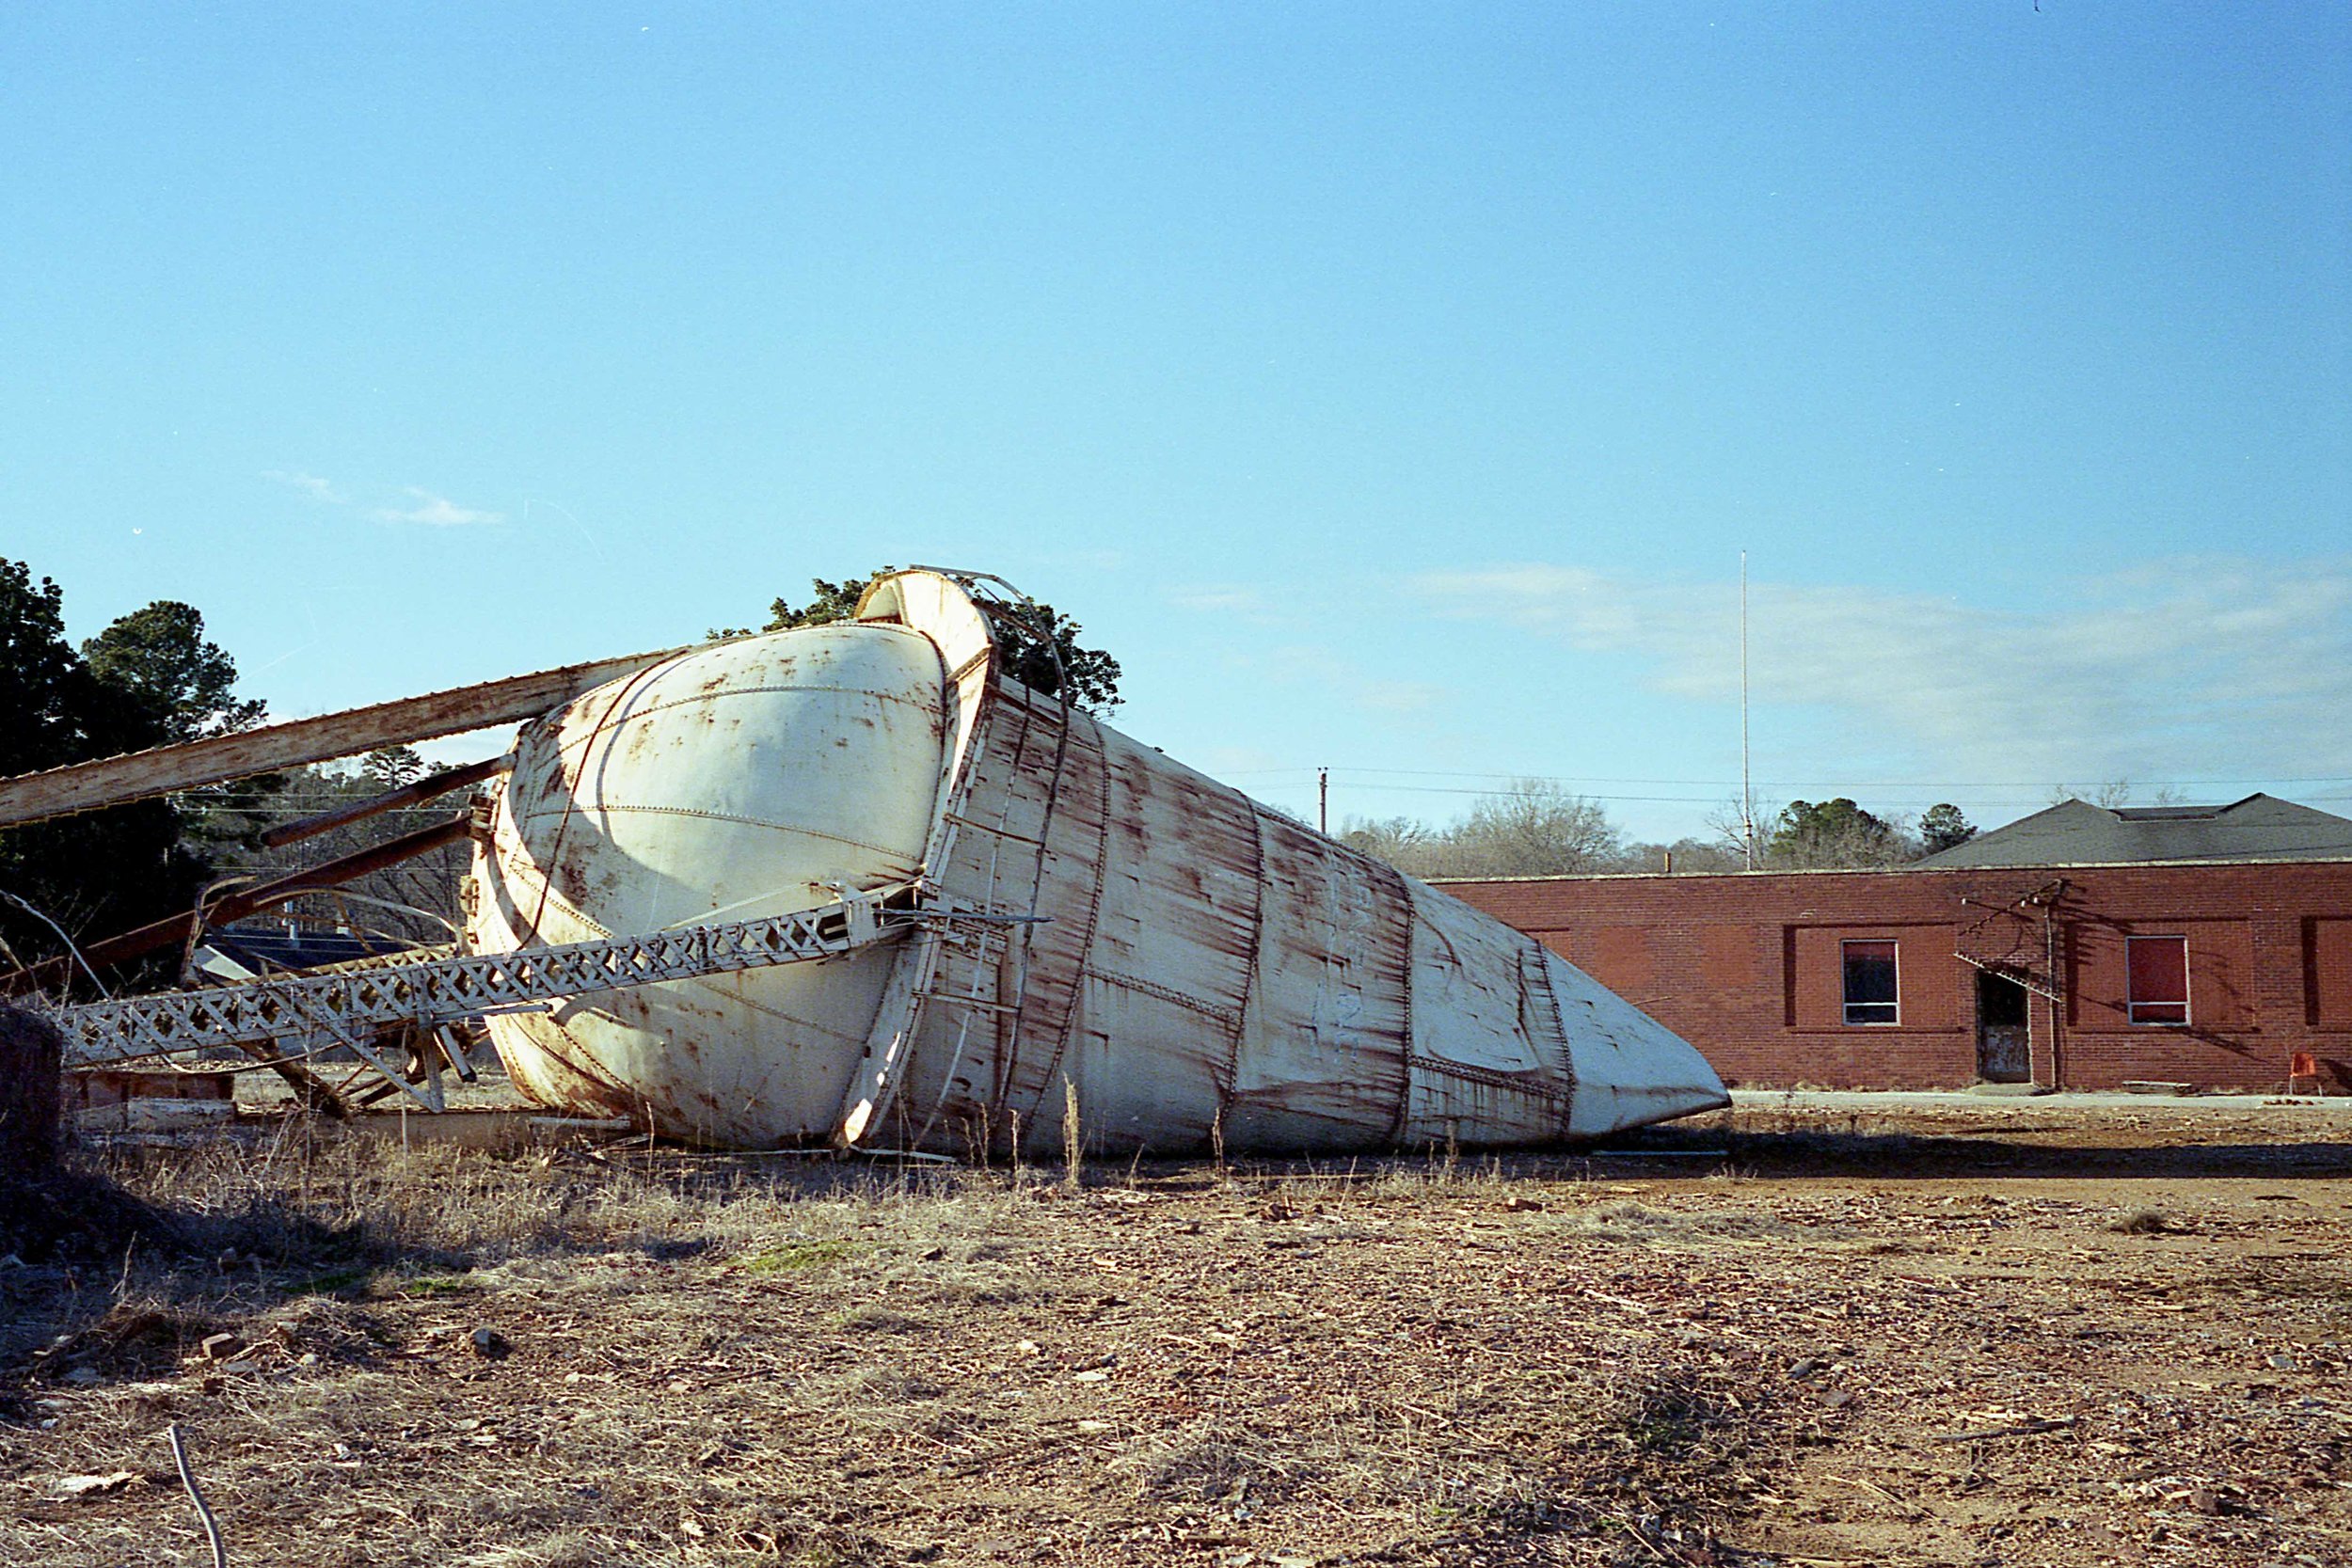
856, 884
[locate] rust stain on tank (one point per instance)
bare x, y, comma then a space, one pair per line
1181, 956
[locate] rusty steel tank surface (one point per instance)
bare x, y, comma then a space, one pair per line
1187, 965
740, 781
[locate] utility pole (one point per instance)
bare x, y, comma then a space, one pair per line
1747, 791
1323, 802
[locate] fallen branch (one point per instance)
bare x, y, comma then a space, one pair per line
2024, 1429
1643, 1541
187, 1478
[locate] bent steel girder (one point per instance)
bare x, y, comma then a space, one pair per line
277, 1019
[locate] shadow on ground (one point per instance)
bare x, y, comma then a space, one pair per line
104, 1286
106, 1282
1668, 1151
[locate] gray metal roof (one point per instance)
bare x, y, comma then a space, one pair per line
2076, 832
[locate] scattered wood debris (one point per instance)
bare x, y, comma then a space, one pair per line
1779, 1361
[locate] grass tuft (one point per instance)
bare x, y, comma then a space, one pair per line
794, 1257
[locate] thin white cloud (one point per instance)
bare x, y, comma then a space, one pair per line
309, 484
1296, 665
1096, 560
1222, 761
437, 512
1249, 604
2171, 669
1401, 696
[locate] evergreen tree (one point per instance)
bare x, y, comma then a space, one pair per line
1943, 827
149, 679
1833, 833
1040, 645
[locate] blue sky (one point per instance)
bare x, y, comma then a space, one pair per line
1391, 388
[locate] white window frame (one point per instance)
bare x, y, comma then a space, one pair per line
1848, 1006
2187, 1004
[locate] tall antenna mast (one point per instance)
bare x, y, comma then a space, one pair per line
1747, 791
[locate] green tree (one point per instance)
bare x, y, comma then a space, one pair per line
1943, 826
46, 693
392, 766
172, 681
1833, 833
1040, 645
828, 602
149, 679
163, 683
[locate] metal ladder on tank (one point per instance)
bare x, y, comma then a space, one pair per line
984, 948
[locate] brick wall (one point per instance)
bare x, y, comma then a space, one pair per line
1747, 967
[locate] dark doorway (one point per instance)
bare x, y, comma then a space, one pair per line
2004, 1033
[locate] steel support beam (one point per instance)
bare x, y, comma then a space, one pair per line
168, 770
406, 795
294, 1014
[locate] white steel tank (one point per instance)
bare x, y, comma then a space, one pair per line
1191, 965
743, 779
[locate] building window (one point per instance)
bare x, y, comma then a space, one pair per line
2159, 968
1869, 982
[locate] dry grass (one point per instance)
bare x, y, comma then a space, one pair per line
705, 1360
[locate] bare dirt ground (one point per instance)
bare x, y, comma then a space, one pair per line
1803, 1332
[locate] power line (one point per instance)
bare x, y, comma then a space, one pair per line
1441, 789
1781, 782
1881, 803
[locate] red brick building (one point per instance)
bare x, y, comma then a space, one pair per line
2216, 972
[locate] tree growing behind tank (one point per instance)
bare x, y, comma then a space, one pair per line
149, 679
176, 685
169, 684
1534, 828
1537, 828
1040, 645
412, 901
1412, 846
390, 766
